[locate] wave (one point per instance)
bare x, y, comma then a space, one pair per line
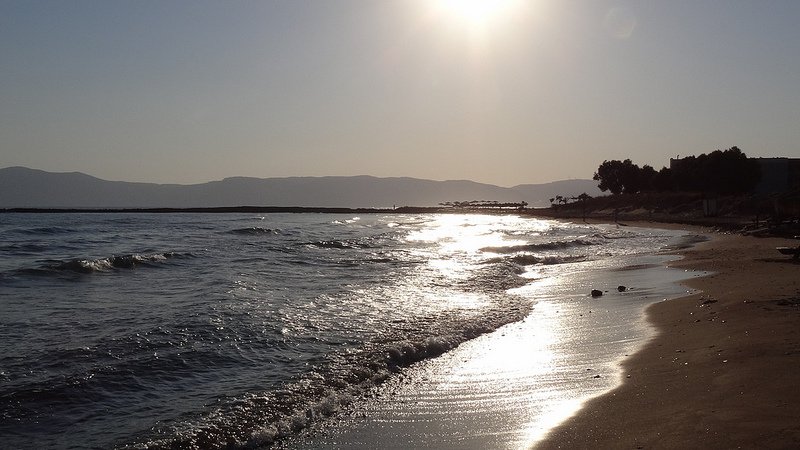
529, 260
254, 231
344, 244
335, 244
375, 241
553, 245
111, 263
615, 234
494, 277
260, 420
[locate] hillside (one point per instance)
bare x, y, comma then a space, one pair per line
29, 188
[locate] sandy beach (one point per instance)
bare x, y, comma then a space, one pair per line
722, 372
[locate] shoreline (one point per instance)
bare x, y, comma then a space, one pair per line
721, 369
507, 388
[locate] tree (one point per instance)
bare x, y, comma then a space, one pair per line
582, 198
730, 172
647, 179
618, 177
662, 181
719, 172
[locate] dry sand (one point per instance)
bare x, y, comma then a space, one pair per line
724, 370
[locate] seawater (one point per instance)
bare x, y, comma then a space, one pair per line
237, 330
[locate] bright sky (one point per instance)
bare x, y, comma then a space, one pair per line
521, 92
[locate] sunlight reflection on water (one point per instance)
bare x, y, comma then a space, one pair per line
250, 328
470, 233
507, 389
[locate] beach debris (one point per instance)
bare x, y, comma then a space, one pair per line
708, 302
596, 376
597, 293
622, 288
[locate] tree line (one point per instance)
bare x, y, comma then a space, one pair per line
720, 172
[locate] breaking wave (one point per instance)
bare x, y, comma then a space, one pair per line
111, 263
265, 418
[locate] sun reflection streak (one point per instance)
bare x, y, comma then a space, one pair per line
529, 355
459, 247
460, 239
507, 386
470, 233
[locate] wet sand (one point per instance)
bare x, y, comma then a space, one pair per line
723, 370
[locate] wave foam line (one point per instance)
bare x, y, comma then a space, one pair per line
261, 420
88, 266
527, 259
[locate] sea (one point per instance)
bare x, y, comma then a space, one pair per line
239, 330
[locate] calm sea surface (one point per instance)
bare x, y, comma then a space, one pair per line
235, 330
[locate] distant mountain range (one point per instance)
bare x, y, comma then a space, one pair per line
21, 187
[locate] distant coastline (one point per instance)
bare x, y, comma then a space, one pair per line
21, 187
625, 209
240, 209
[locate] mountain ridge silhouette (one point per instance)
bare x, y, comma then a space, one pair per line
22, 187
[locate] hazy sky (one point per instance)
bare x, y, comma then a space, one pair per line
536, 91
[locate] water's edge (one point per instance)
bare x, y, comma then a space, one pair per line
433, 405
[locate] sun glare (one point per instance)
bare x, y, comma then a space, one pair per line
476, 13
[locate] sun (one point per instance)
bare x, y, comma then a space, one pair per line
476, 13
